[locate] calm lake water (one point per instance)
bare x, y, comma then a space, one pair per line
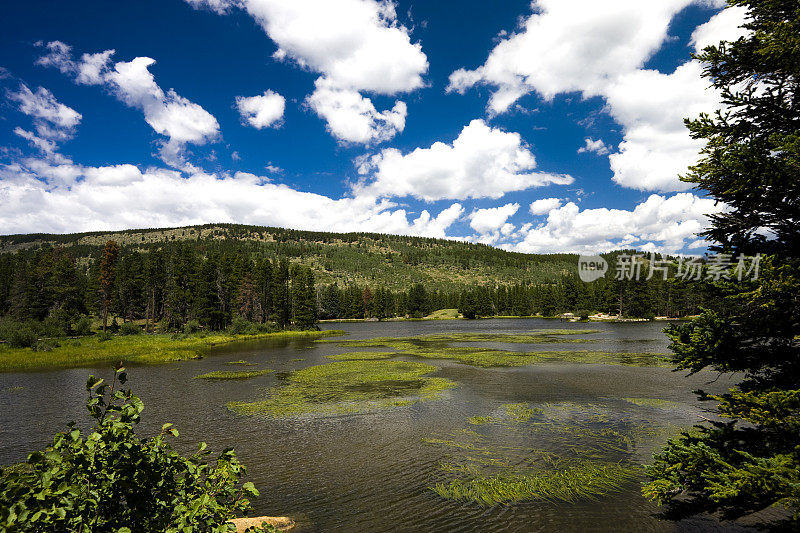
371, 472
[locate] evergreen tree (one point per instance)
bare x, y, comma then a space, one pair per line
108, 267
281, 297
751, 162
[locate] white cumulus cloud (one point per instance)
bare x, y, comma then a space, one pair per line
599, 49
482, 162
659, 223
490, 220
595, 146
543, 206
357, 46
262, 111
168, 113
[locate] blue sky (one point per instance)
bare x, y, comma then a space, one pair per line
538, 127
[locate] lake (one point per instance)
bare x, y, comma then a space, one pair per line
373, 471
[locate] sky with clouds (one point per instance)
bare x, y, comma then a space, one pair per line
544, 126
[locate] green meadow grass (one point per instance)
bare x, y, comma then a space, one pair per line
348, 387
222, 375
92, 351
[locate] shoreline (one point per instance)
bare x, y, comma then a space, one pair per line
502, 317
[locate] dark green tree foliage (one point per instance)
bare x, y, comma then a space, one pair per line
417, 303
304, 298
281, 294
752, 163
107, 276
113, 480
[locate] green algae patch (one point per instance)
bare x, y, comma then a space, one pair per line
490, 358
519, 412
143, 349
222, 375
573, 452
361, 356
440, 346
563, 482
656, 403
241, 363
348, 387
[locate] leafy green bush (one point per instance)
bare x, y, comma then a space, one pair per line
112, 480
192, 326
18, 334
83, 326
129, 328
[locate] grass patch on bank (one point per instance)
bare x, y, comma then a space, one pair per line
147, 349
222, 375
444, 314
348, 387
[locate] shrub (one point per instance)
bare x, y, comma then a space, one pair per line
83, 326
240, 326
129, 328
19, 334
113, 480
192, 326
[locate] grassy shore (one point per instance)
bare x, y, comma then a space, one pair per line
147, 349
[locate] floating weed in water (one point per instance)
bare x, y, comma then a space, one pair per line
15, 389
348, 387
519, 412
221, 375
439, 347
242, 363
652, 402
575, 451
361, 356
567, 482
297, 359
480, 420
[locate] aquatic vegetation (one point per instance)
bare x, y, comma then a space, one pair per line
242, 363
519, 412
566, 482
147, 349
348, 387
579, 453
480, 420
652, 402
297, 359
361, 356
220, 375
439, 346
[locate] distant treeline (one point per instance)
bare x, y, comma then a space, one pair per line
181, 284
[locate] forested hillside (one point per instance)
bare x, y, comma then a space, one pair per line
390, 261
210, 277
